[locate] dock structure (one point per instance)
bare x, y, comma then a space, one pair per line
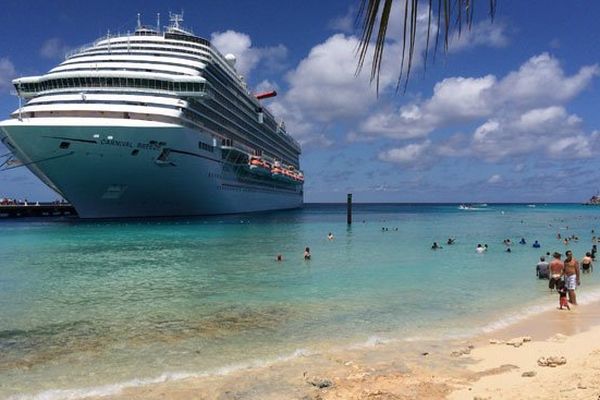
37, 210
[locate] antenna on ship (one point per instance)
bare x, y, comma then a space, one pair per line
175, 19
139, 22
158, 22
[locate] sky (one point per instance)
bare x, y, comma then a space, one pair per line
508, 114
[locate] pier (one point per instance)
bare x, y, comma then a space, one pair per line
37, 210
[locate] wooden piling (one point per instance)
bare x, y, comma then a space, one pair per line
349, 209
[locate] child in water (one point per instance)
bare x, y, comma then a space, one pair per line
562, 295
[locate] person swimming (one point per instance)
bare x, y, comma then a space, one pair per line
435, 246
330, 236
279, 257
307, 253
536, 245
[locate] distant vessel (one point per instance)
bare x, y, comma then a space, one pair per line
593, 201
153, 123
465, 207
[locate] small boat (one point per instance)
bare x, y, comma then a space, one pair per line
465, 207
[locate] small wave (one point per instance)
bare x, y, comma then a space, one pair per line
117, 388
513, 318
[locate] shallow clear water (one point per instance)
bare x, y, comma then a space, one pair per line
88, 304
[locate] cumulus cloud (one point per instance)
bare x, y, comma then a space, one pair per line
325, 87
414, 153
541, 82
54, 48
324, 84
7, 73
514, 114
551, 131
248, 57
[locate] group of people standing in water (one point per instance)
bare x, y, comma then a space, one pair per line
564, 276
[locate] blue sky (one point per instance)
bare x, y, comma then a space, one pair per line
509, 114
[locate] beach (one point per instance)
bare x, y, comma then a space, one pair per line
484, 367
200, 308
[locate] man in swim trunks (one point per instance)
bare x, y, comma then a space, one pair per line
571, 276
586, 263
556, 270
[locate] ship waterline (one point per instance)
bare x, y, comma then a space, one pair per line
114, 169
153, 124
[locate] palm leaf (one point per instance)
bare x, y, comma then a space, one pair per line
373, 12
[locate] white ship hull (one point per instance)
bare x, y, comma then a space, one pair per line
109, 169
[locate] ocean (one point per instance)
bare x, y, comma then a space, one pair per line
91, 307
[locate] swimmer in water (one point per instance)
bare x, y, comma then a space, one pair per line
307, 253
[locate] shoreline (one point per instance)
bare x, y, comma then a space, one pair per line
442, 369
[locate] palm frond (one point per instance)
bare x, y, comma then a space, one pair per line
372, 12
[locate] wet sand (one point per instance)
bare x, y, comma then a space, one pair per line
465, 369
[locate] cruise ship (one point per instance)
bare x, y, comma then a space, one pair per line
153, 123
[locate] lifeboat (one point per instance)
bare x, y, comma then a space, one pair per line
257, 165
284, 174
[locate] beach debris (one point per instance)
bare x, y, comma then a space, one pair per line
551, 361
463, 351
518, 341
581, 386
358, 376
481, 398
425, 353
319, 382
496, 341
529, 374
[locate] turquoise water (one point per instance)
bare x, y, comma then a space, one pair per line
90, 307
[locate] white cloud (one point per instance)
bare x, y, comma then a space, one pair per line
7, 73
324, 87
483, 33
248, 57
495, 179
550, 131
266, 85
414, 153
324, 84
539, 82
54, 48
